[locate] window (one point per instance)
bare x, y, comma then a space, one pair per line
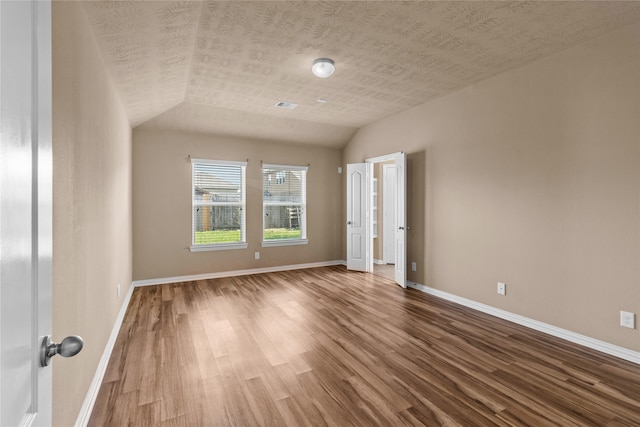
219, 205
284, 205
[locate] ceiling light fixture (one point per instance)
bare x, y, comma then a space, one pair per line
323, 67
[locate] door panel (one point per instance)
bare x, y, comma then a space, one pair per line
25, 211
356, 216
389, 213
401, 220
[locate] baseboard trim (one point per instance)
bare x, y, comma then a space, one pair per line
192, 277
94, 387
592, 343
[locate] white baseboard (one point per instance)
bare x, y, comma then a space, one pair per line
94, 387
592, 343
192, 277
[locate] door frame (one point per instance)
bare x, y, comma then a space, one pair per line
369, 238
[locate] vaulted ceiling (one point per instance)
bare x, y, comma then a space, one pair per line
220, 67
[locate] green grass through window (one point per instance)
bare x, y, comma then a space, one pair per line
217, 236
233, 236
282, 233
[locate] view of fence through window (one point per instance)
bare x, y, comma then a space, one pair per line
284, 202
218, 203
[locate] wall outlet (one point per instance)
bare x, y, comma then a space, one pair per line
118, 292
627, 319
414, 266
502, 288
257, 255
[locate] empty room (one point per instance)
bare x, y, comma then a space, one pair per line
309, 213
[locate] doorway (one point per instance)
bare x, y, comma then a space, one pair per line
384, 217
364, 217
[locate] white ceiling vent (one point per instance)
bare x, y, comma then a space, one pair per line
287, 105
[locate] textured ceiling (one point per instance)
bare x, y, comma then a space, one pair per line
220, 67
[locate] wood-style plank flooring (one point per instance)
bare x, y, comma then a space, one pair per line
327, 347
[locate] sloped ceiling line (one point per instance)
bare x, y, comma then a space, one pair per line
219, 67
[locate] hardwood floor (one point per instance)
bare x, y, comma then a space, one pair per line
385, 270
329, 347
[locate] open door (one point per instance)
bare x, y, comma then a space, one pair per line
357, 217
398, 234
25, 211
401, 220
389, 214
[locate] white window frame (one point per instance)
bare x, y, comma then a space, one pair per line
303, 205
243, 204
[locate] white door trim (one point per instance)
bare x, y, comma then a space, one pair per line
384, 158
400, 268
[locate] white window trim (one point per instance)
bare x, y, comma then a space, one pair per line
219, 162
287, 167
221, 246
286, 242
218, 247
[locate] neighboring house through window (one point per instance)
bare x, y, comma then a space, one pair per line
284, 205
218, 205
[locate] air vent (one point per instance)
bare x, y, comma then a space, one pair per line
287, 105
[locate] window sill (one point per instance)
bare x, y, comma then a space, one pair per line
219, 247
269, 243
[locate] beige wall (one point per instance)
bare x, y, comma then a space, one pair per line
532, 178
162, 203
92, 205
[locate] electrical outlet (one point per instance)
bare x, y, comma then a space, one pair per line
257, 255
414, 266
118, 292
502, 288
627, 319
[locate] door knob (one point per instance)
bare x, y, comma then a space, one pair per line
348, 222
400, 228
69, 347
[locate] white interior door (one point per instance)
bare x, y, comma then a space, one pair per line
401, 220
357, 216
389, 213
25, 211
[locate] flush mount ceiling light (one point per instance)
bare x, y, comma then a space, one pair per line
323, 67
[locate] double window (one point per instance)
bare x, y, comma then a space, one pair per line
284, 205
218, 193
218, 205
